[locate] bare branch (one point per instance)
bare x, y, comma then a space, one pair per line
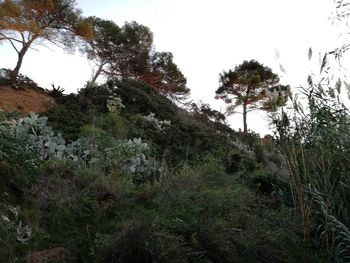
13, 45
4, 37
23, 37
35, 49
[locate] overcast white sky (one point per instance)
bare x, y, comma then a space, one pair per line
206, 37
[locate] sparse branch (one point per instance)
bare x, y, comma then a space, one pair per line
13, 45
9, 38
23, 37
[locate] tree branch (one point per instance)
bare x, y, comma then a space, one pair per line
9, 38
23, 38
13, 45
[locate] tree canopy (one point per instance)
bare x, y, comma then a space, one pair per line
127, 53
101, 48
26, 22
118, 51
253, 86
165, 76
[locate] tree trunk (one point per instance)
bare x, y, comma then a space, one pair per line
245, 129
14, 73
98, 72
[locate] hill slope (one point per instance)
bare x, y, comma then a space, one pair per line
134, 178
24, 100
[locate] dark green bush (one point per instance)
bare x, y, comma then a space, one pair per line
67, 121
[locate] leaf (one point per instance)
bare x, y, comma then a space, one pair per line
309, 80
324, 62
309, 53
346, 85
282, 69
338, 85
60, 147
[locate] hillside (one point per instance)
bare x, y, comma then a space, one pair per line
135, 178
24, 100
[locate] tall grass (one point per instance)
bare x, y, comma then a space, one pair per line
315, 141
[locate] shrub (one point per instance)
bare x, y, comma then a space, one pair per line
66, 121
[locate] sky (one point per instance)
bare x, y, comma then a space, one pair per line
206, 37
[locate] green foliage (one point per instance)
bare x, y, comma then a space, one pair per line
177, 141
36, 134
56, 92
114, 104
66, 121
205, 110
126, 53
148, 182
198, 214
165, 76
18, 162
115, 125
93, 98
118, 51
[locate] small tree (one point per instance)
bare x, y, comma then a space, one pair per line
25, 22
252, 86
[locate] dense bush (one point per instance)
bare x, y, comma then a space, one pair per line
66, 121
190, 137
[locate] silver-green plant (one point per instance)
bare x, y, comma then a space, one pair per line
34, 131
132, 157
159, 125
126, 154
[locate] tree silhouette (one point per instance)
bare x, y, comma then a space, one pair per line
26, 22
252, 86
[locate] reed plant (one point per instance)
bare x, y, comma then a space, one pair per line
314, 137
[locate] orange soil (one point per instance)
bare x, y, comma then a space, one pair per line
24, 100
